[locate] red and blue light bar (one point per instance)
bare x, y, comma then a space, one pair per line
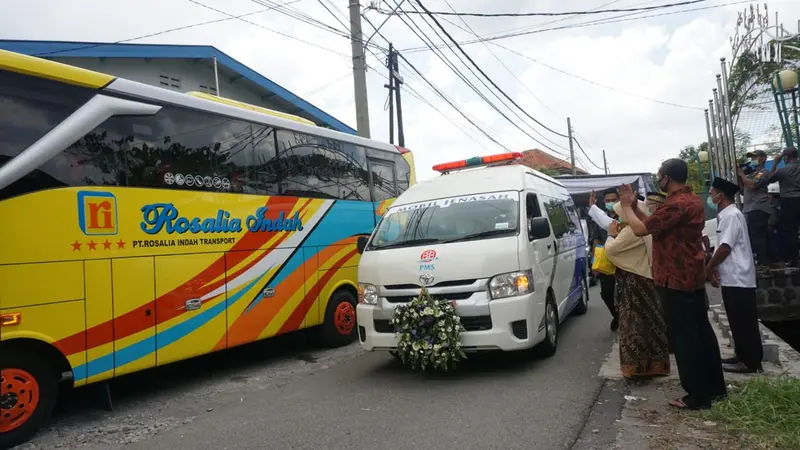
478, 161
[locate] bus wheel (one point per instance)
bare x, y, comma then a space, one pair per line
339, 327
27, 397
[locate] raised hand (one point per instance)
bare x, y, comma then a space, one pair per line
592, 198
626, 195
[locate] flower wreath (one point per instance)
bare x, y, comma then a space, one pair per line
429, 333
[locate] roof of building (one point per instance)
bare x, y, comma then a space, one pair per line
538, 159
226, 66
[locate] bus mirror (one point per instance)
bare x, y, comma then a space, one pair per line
538, 228
361, 244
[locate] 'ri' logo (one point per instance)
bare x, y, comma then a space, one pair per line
97, 213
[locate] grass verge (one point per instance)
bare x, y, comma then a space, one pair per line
764, 411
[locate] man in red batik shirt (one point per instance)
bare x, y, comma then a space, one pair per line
679, 275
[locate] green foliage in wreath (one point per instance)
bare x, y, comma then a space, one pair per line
429, 333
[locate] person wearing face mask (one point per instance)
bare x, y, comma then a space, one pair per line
643, 347
602, 220
788, 178
679, 277
732, 268
757, 206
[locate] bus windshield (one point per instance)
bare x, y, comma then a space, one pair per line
452, 219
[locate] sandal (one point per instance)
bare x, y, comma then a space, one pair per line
685, 402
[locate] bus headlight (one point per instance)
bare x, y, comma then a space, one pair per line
511, 284
367, 293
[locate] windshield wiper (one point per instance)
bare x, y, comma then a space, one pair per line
407, 243
481, 234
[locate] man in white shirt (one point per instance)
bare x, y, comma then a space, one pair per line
733, 268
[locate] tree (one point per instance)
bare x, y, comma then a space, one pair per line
690, 154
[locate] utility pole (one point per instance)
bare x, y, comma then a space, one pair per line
359, 69
571, 149
395, 83
605, 163
398, 82
390, 86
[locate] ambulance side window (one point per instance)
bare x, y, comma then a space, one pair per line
531, 210
532, 207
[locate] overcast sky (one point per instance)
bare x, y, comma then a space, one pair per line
670, 58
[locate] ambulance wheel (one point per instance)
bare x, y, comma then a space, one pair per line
27, 396
339, 327
548, 346
583, 302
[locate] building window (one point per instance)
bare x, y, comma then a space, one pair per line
170, 82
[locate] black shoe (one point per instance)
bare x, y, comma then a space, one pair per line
614, 324
741, 368
731, 360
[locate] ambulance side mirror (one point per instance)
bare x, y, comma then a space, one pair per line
361, 244
538, 228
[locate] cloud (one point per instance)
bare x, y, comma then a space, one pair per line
671, 58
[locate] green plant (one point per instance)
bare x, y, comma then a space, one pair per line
764, 411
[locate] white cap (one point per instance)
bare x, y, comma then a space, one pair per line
773, 188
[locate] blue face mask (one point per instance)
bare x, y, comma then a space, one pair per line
711, 203
610, 207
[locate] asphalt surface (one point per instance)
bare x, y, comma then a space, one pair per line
285, 395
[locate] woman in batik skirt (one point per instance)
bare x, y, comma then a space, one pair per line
643, 345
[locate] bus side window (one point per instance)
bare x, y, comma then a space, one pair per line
382, 179
320, 168
403, 171
29, 108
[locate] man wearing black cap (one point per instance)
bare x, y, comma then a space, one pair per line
732, 268
679, 276
757, 205
788, 178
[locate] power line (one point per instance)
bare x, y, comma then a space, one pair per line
436, 91
449, 36
451, 104
458, 73
584, 154
346, 27
605, 21
158, 33
422, 36
524, 86
586, 80
549, 14
560, 71
328, 84
196, 2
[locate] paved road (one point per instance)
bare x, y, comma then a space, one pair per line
345, 399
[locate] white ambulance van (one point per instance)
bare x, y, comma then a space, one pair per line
500, 239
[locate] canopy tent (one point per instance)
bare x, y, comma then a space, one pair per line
580, 186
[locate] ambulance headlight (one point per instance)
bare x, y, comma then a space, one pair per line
511, 284
367, 293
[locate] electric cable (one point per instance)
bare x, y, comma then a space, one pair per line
549, 14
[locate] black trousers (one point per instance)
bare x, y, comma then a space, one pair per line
789, 222
757, 224
740, 304
694, 343
607, 287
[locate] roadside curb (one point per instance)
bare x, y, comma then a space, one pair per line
642, 412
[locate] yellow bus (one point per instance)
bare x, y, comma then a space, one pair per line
141, 226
